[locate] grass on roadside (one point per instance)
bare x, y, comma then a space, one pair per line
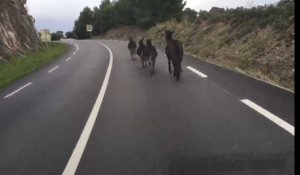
18, 67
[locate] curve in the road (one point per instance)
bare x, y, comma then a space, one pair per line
81, 144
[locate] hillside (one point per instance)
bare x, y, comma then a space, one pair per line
263, 53
17, 32
122, 33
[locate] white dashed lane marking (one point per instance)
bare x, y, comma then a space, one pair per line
68, 59
277, 120
283, 124
197, 72
53, 69
18, 90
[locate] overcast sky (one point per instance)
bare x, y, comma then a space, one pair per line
61, 14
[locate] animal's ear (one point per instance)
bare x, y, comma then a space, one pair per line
167, 31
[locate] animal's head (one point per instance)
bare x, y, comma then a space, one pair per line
141, 41
148, 42
169, 34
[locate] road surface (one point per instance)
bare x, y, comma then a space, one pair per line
94, 111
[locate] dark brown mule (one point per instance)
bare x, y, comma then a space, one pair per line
152, 54
174, 52
142, 52
132, 48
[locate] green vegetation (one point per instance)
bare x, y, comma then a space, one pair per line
145, 14
71, 35
17, 68
141, 13
279, 16
57, 35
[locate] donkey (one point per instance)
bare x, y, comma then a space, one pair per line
142, 52
132, 48
174, 53
152, 53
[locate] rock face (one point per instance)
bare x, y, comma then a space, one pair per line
17, 31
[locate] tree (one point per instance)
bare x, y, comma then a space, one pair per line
86, 17
190, 14
71, 34
105, 17
54, 37
60, 34
142, 13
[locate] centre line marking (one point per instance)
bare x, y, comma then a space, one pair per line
283, 124
68, 59
18, 90
197, 72
53, 69
74, 160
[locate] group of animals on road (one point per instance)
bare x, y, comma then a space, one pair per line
148, 53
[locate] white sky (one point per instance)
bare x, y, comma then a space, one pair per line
61, 14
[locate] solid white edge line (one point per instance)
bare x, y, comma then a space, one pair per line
18, 90
270, 116
74, 160
68, 59
197, 72
53, 69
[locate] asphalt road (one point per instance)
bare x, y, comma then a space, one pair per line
213, 121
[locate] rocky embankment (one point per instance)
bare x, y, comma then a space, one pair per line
17, 31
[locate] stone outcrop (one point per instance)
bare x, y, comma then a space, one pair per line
17, 31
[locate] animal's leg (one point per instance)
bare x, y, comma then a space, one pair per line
178, 72
134, 54
153, 64
180, 67
131, 53
144, 61
150, 59
147, 61
175, 68
169, 63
